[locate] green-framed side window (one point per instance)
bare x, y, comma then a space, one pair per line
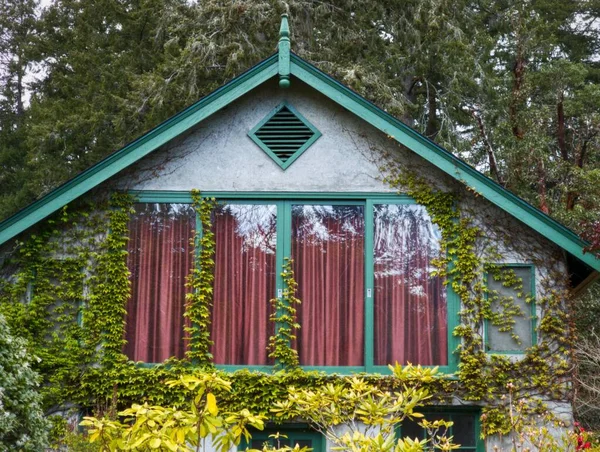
285, 435
465, 429
511, 287
363, 264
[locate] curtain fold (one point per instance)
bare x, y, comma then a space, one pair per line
328, 254
245, 241
410, 316
159, 259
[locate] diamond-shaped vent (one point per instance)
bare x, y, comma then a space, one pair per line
284, 135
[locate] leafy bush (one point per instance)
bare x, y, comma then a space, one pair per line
22, 423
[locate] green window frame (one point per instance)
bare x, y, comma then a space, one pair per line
533, 312
284, 201
299, 432
452, 414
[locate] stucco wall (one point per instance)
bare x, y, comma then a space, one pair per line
219, 156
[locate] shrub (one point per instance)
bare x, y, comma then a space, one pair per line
22, 423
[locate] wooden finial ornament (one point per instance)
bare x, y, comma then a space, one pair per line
284, 52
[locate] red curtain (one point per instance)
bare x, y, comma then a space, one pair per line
410, 304
160, 258
328, 253
245, 237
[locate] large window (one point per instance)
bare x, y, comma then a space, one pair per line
159, 259
411, 322
245, 250
363, 268
329, 254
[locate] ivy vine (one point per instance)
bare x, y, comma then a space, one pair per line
200, 282
284, 318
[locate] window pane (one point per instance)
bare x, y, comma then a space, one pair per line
302, 443
410, 304
245, 242
502, 341
441, 431
160, 258
328, 253
464, 429
410, 429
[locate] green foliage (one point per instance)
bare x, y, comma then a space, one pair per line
286, 323
154, 427
344, 400
200, 283
104, 315
351, 399
22, 423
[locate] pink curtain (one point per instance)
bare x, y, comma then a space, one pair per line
160, 258
328, 253
245, 237
410, 304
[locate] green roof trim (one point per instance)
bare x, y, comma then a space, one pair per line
284, 134
309, 74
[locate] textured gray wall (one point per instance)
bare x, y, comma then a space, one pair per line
219, 156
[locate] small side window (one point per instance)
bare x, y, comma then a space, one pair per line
511, 290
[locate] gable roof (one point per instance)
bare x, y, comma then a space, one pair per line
331, 88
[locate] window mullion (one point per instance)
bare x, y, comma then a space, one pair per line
369, 289
283, 248
282, 244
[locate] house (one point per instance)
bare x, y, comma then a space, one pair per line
304, 169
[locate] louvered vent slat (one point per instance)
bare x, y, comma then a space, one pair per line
285, 135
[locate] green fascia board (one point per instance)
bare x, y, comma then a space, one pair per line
138, 149
444, 160
284, 165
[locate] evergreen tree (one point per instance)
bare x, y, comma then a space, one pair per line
17, 21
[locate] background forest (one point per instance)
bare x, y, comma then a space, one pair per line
511, 86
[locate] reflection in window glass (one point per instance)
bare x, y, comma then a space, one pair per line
500, 341
159, 259
245, 242
328, 254
410, 304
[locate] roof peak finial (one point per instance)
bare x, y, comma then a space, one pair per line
284, 52
284, 29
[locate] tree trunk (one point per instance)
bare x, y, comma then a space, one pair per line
518, 77
542, 187
560, 128
432, 128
